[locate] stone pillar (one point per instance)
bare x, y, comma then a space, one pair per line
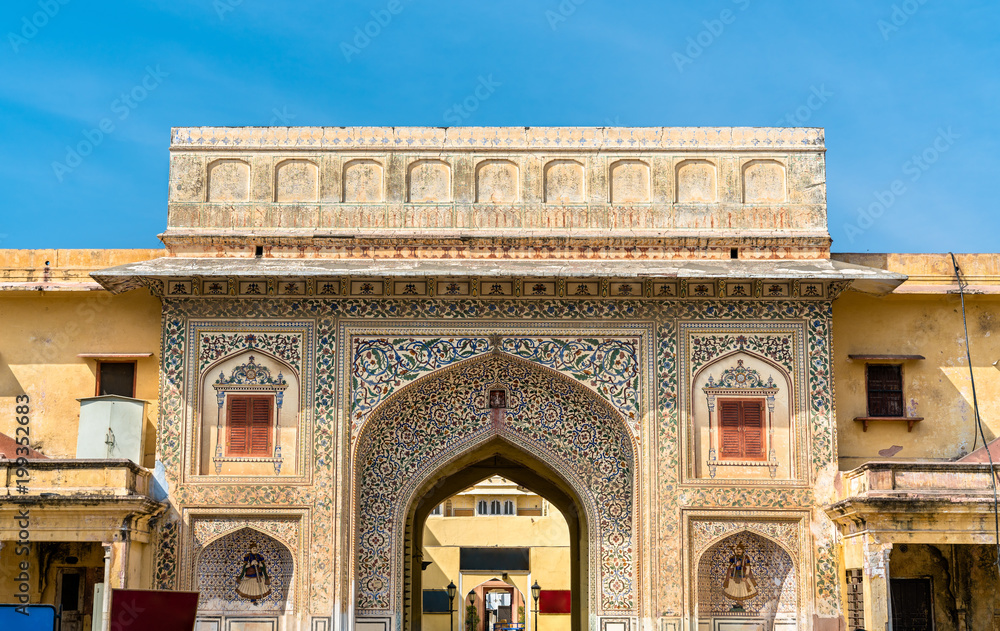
121, 570
118, 577
878, 605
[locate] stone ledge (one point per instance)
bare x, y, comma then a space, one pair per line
415, 138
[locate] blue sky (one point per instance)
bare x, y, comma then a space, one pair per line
908, 92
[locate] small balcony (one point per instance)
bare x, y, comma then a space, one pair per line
917, 498
77, 500
69, 479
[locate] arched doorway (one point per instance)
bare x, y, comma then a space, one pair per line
439, 434
494, 601
499, 457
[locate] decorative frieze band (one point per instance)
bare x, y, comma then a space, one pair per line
517, 287
378, 138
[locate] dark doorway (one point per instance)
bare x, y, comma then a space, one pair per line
912, 607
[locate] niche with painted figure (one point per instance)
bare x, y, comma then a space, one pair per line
249, 417
245, 572
748, 581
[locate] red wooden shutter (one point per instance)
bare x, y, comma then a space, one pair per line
753, 429
260, 427
741, 425
730, 445
237, 423
249, 426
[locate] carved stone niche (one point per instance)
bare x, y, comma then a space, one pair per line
763, 182
255, 374
742, 418
496, 182
697, 182
629, 182
296, 181
363, 181
564, 182
429, 181
228, 181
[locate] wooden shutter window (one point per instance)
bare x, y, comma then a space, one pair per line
741, 427
885, 390
753, 429
731, 444
248, 420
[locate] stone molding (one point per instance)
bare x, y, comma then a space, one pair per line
380, 138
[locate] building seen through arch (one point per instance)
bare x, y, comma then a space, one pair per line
504, 553
621, 362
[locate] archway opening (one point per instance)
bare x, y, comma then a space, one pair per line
419, 447
471, 557
494, 603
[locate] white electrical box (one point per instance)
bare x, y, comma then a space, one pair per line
97, 620
111, 426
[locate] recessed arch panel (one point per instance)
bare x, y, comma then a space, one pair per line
228, 181
747, 576
296, 180
417, 432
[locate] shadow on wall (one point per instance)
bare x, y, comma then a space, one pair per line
9, 385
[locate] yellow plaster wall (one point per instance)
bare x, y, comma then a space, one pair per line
65, 266
936, 388
44, 331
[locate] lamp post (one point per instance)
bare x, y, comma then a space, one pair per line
536, 590
451, 602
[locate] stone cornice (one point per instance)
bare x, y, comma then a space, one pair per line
500, 138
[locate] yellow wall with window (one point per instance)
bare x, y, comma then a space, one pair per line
922, 317
53, 313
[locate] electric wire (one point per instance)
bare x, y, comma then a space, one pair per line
975, 409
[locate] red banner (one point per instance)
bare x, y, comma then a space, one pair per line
152, 610
554, 601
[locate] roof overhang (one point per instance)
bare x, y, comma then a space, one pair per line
129, 276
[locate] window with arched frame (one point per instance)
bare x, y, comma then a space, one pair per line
495, 507
508, 508
249, 416
744, 418
482, 508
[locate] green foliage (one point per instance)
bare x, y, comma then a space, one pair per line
520, 614
471, 615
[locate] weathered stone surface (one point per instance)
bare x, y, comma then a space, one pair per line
664, 183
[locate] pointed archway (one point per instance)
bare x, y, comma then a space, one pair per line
568, 443
498, 457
